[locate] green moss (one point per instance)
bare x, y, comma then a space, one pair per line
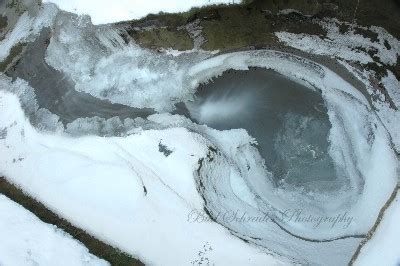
164, 38
235, 27
162, 19
254, 22
226, 27
174, 20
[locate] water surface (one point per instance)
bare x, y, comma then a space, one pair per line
288, 120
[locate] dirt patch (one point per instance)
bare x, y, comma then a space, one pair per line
373, 36
3, 23
96, 247
163, 37
15, 53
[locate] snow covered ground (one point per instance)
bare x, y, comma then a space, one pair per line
104, 11
124, 191
156, 192
25, 240
384, 246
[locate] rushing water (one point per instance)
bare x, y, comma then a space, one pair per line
288, 120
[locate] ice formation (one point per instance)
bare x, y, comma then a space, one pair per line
350, 47
27, 27
150, 200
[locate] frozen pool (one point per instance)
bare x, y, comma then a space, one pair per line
288, 120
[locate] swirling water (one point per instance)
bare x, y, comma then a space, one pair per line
288, 120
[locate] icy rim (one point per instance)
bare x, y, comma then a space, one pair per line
360, 145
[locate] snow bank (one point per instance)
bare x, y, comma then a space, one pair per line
125, 191
384, 246
25, 240
104, 11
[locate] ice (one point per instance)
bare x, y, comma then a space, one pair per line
360, 146
27, 27
26, 240
387, 114
124, 73
42, 118
359, 166
347, 48
100, 126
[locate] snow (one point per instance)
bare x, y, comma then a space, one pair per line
359, 157
224, 175
392, 86
123, 191
25, 240
102, 11
388, 115
349, 46
384, 246
361, 165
